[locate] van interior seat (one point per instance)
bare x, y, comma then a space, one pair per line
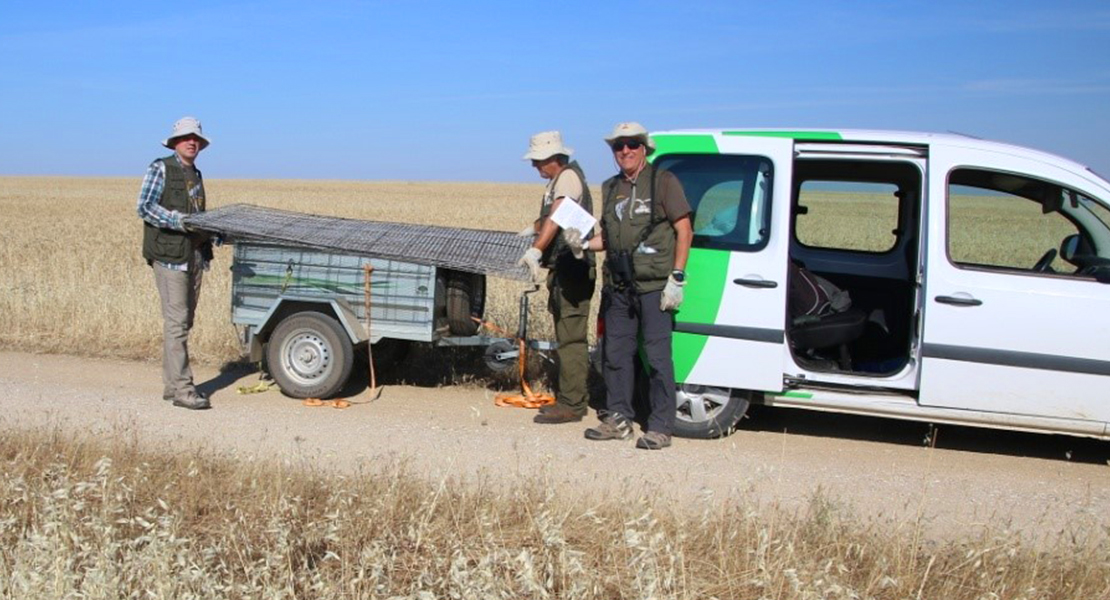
827, 331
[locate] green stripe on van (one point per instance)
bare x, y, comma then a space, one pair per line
706, 274
795, 135
685, 144
686, 348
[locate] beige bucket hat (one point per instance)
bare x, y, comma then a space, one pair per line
631, 130
183, 127
546, 144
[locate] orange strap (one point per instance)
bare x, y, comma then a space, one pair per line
331, 403
527, 398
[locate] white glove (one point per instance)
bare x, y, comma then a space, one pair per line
672, 295
531, 259
528, 231
573, 239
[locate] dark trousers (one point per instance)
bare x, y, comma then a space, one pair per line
628, 319
571, 287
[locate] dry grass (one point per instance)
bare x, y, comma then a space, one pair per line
74, 280
93, 519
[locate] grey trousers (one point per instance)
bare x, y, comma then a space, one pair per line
628, 319
179, 291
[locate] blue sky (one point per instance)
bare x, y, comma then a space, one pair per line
452, 90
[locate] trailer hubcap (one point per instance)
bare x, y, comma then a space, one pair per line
306, 356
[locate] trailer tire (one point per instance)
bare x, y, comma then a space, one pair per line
466, 295
309, 355
708, 412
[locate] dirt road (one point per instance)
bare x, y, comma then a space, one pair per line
1035, 484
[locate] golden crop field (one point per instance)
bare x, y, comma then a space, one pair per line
75, 281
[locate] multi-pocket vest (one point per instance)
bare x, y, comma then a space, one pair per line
638, 225
558, 249
166, 245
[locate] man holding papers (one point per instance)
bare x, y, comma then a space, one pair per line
571, 274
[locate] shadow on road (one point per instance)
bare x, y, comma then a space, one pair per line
910, 433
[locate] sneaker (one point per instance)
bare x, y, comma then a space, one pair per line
557, 413
612, 427
194, 402
653, 440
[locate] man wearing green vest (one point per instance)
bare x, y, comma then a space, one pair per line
172, 189
570, 277
646, 233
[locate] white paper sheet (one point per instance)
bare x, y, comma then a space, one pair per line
571, 214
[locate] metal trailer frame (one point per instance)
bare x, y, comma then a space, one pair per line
272, 282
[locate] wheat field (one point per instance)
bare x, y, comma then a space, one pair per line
75, 282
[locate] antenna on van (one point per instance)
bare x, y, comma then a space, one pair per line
966, 135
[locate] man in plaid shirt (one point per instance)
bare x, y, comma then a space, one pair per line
172, 189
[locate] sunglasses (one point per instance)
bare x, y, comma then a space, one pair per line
631, 145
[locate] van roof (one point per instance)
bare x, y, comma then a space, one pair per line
878, 136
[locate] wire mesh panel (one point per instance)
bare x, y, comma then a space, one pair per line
470, 250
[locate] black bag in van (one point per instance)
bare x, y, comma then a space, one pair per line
811, 295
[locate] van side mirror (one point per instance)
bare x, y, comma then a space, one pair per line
1069, 248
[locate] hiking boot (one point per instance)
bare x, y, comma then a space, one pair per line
557, 413
193, 402
653, 440
612, 427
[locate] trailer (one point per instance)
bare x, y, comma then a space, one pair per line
308, 291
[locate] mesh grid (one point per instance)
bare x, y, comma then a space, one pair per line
470, 250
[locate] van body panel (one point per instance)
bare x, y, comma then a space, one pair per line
729, 331
1018, 342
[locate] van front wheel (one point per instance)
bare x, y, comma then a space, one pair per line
708, 412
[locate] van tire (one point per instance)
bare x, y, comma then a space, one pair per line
708, 412
309, 355
466, 294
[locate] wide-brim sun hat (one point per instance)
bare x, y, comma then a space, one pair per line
183, 127
546, 144
631, 130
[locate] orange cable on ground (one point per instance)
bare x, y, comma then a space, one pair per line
526, 398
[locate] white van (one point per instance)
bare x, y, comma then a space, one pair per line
977, 274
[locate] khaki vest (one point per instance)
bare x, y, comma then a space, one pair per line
558, 248
166, 245
642, 229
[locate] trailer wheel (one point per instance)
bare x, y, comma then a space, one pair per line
466, 296
309, 355
708, 412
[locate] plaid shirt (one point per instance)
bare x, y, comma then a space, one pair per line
151, 210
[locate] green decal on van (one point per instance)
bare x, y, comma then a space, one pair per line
794, 135
706, 273
684, 144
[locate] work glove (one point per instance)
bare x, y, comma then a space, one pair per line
672, 295
531, 259
528, 231
573, 239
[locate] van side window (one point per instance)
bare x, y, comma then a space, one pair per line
847, 215
730, 196
1011, 222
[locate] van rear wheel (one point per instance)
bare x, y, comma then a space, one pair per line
708, 412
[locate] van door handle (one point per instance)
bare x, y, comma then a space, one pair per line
756, 283
959, 300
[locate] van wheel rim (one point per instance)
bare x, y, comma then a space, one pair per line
306, 357
700, 404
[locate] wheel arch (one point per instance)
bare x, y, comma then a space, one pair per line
335, 308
